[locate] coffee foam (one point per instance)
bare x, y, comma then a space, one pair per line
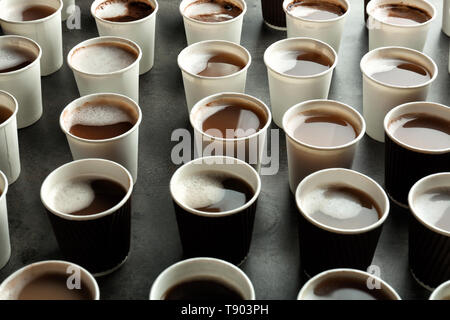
207, 8
72, 195
386, 64
432, 211
345, 206
111, 9
200, 190
11, 56
198, 62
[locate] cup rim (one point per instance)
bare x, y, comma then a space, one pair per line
287, 2
277, 43
388, 117
325, 227
96, 216
311, 281
92, 97
59, 262
224, 161
412, 194
439, 288
58, 11
104, 39
202, 260
371, 5
16, 109
299, 106
217, 96
96, 3
32, 64
389, 48
204, 43
241, 15
5, 180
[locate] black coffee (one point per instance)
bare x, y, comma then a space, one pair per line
36, 12
213, 10
124, 10
341, 207
14, 58
422, 131
203, 289
316, 9
401, 14
222, 64
5, 114
306, 63
402, 73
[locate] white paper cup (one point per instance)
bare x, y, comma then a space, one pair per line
379, 98
24, 84
9, 142
329, 31
5, 246
229, 30
442, 292
384, 34
68, 9
122, 149
287, 90
198, 268
142, 32
307, 291
446, 17
124, 81
47, 32
12, 286
198, 87
249, 149
303, 158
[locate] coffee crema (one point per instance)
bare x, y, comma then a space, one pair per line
124, 10
231, 118
203, 289
103, 57
30, 13
212, 191
322, 129
421, 131
398, 72
220, 65
15, 58
347, 288
86, 195
53, 286
401, 14
341, 207
213, 10
433, 207
5, 114
303, 63
100, 119
316, 9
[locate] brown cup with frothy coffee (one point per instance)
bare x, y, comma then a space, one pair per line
89, 206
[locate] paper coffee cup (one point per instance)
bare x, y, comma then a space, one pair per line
323, 247
12, 286
198, 268
142, 31
197, 87
124, 81
98, 242
273, 14
442, 292
303, 158
47, 32
122, 149
5, 246
385, 34
24, 84
288, 90
329, 31
229, 30
68, 9
9, 142
249, 149
379, 98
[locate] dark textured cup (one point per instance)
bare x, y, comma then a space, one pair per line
365, 11
323, 247
99, 242
273, 14
405, 164
429, 245
224, 235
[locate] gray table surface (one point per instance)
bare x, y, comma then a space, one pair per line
273, 263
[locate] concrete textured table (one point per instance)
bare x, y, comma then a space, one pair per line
273, 263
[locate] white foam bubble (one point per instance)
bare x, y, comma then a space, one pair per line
382, 65
283, 61
71, 196
200, 190
209, 8
432, 208
97, 115
111, 9
10, 57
